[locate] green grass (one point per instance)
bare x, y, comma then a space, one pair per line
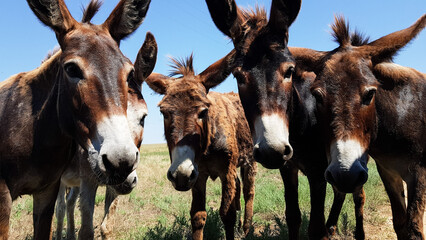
154, 210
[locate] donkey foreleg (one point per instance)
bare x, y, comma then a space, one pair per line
5, 209
43, 208
249, 176
228, 208
111, 202
87, 206
317, 229
71, 201
292, 210
359, 200
198, 207
60, 211
336, 208
416, 191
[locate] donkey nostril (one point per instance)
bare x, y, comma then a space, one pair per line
108, 165
288, 152
193, 176
170, 176
329, 177
135, 180
363, 176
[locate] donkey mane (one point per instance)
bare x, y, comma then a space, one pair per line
253, 17
90, 10
342, 35
182, 66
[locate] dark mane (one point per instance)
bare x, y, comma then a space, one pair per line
51, 53
90, 10
342, 35
253, 18
183, 67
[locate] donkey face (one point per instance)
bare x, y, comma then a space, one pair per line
345, 88
185, 108
263, 69
93, 83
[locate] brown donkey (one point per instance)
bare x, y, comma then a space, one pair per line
77, 97
279, 107
368, 105
208, 136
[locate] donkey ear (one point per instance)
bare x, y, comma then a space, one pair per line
158, 82
226, 16
283, 14
126, 18
386, 47
55, 14
218, 71
308, 59
145, 61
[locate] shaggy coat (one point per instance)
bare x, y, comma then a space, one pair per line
368, 105
208, 136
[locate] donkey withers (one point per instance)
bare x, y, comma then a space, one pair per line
279, 106
77, 97
208, 136
366, 104
80, 177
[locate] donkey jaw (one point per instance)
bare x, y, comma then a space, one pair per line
271, 141
183, 172
348, 166
113, 154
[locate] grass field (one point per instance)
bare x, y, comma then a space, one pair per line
154, 210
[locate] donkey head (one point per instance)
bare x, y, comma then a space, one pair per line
185, 108
93, 82
347, 79
263, 69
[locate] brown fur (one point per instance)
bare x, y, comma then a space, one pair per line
388, 123
50, 111
220, 139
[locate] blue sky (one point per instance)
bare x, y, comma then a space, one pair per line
182, 27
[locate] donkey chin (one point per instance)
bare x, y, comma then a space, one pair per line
348, 168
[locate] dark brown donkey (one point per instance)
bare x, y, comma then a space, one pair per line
280, 108
368, 105
208, 136
78, 96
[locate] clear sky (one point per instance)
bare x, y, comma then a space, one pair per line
182, 27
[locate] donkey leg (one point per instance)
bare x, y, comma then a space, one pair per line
416, 189
249, 176
5, 209
60, 211
317, 229
71, 201
292, 211
198, 207
111, 202
395, 190
359, 200
43, 208
237, 199
228, 212
87, 206
333, 217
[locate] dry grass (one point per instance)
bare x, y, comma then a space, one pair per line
155, 206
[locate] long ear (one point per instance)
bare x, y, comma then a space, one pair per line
226, 16
126, 18
55, 14
158, 82
218, 71
385, 47
283, 14
308, 59
145, 61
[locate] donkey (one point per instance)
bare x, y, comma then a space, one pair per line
207, 136
279, 108
79, 175
77, 97
366, 104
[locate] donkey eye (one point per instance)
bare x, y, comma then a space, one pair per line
73, 71
203, 113
368, 96
289, 73
142, 121
318, 95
